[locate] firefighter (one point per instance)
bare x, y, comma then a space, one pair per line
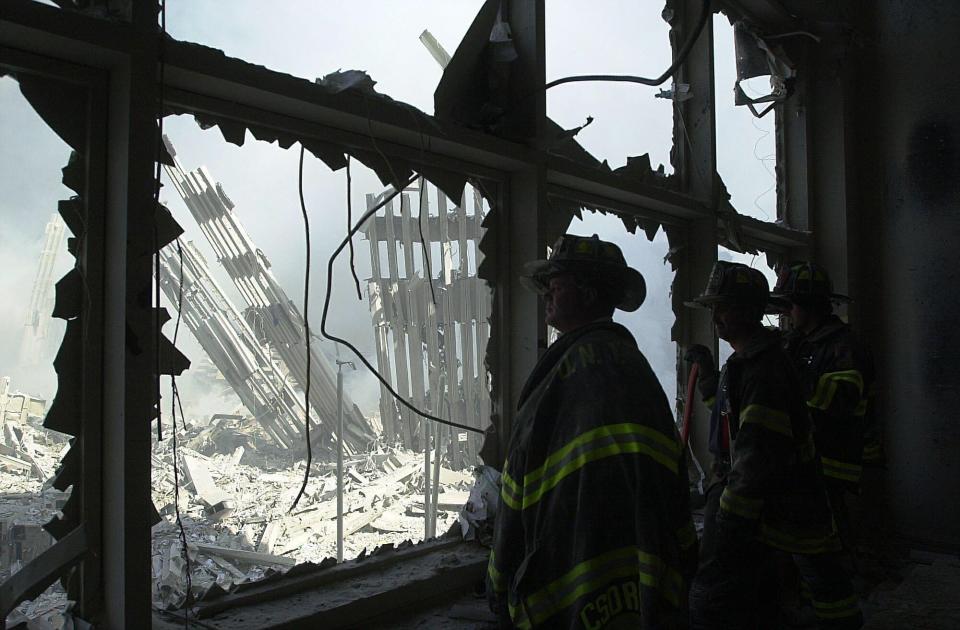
838, 376
770, 498
593, 529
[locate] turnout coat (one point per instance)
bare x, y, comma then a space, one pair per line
594, 526
774, 488
838, 378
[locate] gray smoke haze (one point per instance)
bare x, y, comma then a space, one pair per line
31, 157
308, 39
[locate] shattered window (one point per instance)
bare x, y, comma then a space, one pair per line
611, 37
746, 145
756, 261
421, 318
651, 323
311, 39
33, 256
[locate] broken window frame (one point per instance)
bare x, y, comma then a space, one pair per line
125, 56
78, 405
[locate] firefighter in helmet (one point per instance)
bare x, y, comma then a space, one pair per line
771, 496
838, 377
593, 528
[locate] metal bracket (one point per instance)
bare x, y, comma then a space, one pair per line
678, 93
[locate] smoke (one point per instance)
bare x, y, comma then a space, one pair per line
651, 323
31, 157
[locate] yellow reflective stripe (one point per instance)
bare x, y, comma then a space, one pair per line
669, 444
740, 505
872, 452
710, 402
823, 395
849, 376
827, 387
841, 470
599, 443
591, 575
687, 535
861, 409
847, 607
588, 587
772, 419
509, 500
793, 544
583, 568
519, 617
510, 491
627, 448
508, 480
496, 578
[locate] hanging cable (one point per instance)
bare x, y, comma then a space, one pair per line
424, 205
326, 308
183, 534
424, 248
763, 162
623, 78
353, 265
174, 394
306, 333
174, 404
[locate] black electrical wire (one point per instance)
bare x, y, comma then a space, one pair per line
174, 394
424, 205
183, 534
326, 307
424, 247
306, 333
353, 265
681, 57
174, 403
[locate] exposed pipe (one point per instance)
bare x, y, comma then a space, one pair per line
436, 479
340, 365
426, 479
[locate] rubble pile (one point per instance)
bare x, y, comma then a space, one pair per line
29, 456
236, 491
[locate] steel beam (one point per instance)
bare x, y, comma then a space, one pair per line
129, 373
793, 200
695, 159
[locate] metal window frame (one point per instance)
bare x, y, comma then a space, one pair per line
202, 80
82, 546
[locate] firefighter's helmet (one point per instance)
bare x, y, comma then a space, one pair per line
602, 261
731, 282
804, 279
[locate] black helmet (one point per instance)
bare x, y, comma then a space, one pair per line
803, 279
731, 282
589, 255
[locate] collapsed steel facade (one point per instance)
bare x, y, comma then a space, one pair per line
106, 71
272, 325
431, 321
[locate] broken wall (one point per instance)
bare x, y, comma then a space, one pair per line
908, 149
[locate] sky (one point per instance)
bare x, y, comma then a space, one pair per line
308, 39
